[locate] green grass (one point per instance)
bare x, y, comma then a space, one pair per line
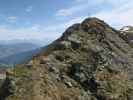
18, 71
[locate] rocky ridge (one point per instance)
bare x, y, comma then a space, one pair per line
91, 61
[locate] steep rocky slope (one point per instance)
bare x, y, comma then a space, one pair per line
89, 62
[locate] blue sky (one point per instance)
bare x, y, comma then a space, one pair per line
47, 19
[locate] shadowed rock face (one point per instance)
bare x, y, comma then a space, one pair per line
89, 62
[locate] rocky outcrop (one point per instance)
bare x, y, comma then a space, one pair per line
127, 34
91, 61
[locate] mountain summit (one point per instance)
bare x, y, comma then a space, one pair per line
91, 61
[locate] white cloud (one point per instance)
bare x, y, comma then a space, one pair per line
118, 17
19, 33
80, 6
61, 27
32, 32
87, 6
65, 12
29, 9
120, 14
11, 19
36, 31
80, 0
113, 2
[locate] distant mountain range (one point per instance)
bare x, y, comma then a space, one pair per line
31, 41
14, 53
19, 58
